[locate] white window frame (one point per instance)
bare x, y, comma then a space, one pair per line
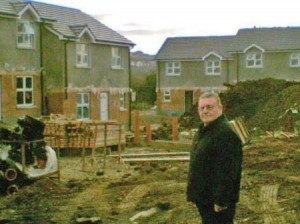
254, 60
122, 101
173, 68
24, 90
295, 60
82, 55
82, 104
167, 96
213, 67
25, 34
116, 59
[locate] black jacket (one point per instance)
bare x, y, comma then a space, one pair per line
215, 165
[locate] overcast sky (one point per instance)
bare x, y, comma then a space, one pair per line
148, 23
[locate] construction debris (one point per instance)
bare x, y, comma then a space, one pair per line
24, 154
280, 134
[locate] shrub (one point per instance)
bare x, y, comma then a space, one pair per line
247, 98
265, 104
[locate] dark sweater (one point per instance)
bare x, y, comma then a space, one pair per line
215, 165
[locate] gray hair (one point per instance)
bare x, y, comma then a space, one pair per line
211, 95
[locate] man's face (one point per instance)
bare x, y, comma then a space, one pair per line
209, 110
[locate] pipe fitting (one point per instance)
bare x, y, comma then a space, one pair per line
12, 189
11, 174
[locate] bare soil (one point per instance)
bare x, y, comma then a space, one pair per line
154, 192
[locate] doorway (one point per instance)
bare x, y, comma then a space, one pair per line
104, 106
189, 99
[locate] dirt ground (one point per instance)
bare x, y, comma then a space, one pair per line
154, 192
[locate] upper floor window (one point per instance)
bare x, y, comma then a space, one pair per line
82, 55
122, 101
167, 96
83, 105
295, 60
24, 91
116, 62
254, 60
173, 68
25, 34
213, 67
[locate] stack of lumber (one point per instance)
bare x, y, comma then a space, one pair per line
155, 157
239, 127
83, 133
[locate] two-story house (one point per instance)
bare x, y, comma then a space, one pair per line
57, 59
188, 66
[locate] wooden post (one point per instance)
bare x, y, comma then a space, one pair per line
175, 128
119, 142
136, 126
148, 133
83, 158
58, 162
57, 141
92, 140
105, 145
23, 156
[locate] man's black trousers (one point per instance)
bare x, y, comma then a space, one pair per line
209, 216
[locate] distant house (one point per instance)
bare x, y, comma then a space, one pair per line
188, 66
140, 60
56, 59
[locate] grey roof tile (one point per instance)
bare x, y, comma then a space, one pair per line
63, 19
275, 38
6, 6
194, 48
68, 17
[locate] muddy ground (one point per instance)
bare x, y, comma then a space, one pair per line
154, 192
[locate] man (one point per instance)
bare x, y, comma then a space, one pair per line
215, 164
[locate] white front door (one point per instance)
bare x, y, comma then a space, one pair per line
104, 106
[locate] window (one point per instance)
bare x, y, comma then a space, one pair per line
82, 55
167, 96
254, 60
25, 34
24, 91
173, 68
295, 60
213, 67
83, 105
116, 58
122, 101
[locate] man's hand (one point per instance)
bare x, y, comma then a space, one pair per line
219, 208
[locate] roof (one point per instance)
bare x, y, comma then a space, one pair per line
270, 39
196, 48
6, 7
66, 22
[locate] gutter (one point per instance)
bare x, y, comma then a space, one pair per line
42, 70
158, 96
66, 69
130, 92
227, 71
8, 15
237, 67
